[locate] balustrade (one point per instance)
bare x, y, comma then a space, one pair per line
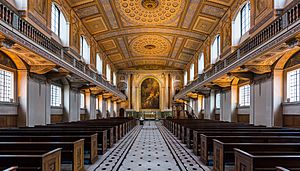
12, 19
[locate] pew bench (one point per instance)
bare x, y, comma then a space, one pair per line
71, 152
264, 161
32, 160
90, 142
224, 154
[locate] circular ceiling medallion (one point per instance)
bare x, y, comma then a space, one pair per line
150, 45
150, 4
150, 11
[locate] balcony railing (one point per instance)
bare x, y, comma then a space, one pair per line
289, 17
13, 19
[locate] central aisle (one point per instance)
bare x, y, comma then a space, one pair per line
149, 152
149, 147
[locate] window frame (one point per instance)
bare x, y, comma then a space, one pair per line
286, 80
192, 72
14, 83
201, 63
246, 18
218, 100
54, 6
244, 101
215, 46
82, 105
61, 95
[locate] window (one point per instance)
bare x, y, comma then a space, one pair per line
185, 78
241, 24
108, 73
97, 103
99, 64
245, 18
84, 50
55, 19
203, 102
56, 96
114, 78
244, 95
82, 101
218, 100
215, 50
293, 85
201, 63
192, 70
6, 86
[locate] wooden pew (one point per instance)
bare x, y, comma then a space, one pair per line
70, 151
265, 161
279, 168
206, 137
102, 139
13, 168
90, 142
223, 152
110, 130
32, 160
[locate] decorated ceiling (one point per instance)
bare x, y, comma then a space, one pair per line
165, 33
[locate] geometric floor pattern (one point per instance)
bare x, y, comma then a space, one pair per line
149, 152
150, 147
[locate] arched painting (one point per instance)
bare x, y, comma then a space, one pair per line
150, 94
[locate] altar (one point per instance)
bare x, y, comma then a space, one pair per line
150, 115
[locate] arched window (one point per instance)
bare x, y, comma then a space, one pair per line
108, 73
185, 78
215, 50
192, 71
245, 18
84, 50
59, 25
201, 63
7, 79
99, 63
241, 23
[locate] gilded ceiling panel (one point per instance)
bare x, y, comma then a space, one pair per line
95, 25
108, 44
150, 12
205, 25
87, 11
115, 57
150, 45
161, 32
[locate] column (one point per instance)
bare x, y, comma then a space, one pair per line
22, 95
90, 105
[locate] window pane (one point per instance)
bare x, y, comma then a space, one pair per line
244, 95
82, 101
218, 101
97, 103
56, 96
293, 85
245, 18
55, 19
201, 64
6, 86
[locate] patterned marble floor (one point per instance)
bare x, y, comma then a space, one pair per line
149, 147
149, 152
